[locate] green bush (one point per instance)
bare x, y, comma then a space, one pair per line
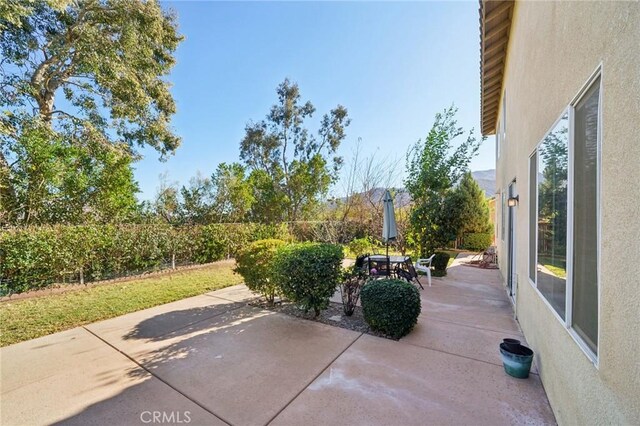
308, 273
439, 263
477, 241
390, 306
255, 264
359, 246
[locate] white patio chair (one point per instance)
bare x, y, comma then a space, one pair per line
424, 265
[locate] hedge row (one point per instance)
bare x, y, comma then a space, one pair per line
36, 257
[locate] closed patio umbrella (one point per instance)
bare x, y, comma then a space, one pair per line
389, 228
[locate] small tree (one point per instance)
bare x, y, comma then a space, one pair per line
466, 209
232, 193
433, 167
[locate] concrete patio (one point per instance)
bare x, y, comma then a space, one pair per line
212, 359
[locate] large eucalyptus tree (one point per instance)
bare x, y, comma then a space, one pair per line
82, 86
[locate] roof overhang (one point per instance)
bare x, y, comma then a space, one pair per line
495, 23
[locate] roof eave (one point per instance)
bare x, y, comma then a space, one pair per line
495, 25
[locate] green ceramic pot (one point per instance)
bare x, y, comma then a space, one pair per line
516, 360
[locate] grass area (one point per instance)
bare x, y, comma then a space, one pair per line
30, 318
555, 270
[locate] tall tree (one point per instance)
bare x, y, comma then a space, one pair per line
433, 167
82, 83
291, 167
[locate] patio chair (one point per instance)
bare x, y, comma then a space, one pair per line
424, 265
360, 260
408, 274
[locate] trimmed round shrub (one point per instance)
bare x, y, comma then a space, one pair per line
439, 263
308, 273
390, 306
255, 264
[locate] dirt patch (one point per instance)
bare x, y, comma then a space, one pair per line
333, 316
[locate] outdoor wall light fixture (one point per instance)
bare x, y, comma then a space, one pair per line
513, 201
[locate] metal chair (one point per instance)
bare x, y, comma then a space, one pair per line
408, 274
424, 265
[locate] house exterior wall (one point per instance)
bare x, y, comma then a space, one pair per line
554, 47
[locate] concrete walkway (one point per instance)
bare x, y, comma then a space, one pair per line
212, 359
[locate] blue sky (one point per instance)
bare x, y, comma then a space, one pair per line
393, 65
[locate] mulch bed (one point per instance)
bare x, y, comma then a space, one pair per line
333, 315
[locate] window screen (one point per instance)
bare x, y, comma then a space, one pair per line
585, 222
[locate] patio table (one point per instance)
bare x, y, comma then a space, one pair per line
384, 265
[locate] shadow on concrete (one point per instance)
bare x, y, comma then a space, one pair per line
170, 324
244, 365
137, 403
210, 335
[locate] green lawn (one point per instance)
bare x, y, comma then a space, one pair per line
556, 266
30, 318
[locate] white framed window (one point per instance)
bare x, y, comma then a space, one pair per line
503, 213
586, 215
533, 216
552, 215
564, 216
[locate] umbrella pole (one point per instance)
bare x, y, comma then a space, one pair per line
388, 261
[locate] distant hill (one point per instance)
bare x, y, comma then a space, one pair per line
487, 181
485, 178
400, 199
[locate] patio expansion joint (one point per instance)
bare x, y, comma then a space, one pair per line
510, 332
314, 379
495, 364
472, 296
230, 300
156, 377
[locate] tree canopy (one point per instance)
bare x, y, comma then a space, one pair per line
466, 209
433, 167
82, 84
290, 166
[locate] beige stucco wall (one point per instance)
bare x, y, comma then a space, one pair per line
553, 49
